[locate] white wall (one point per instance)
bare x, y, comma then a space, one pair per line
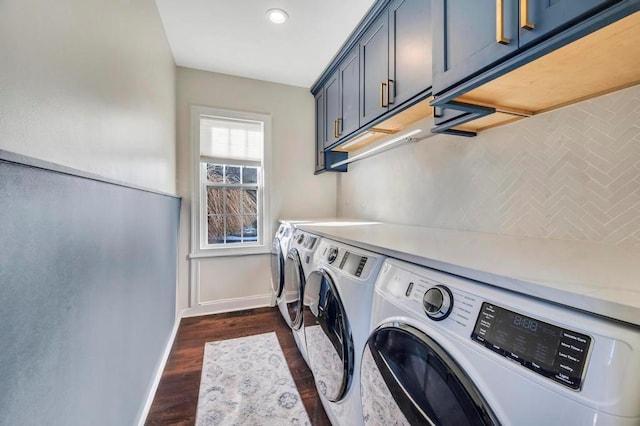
569, 174
89, 85
296, 192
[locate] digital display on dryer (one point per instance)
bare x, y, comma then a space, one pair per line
311, 241
549, 350
352, 263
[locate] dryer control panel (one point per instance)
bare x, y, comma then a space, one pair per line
549, 350
349, 260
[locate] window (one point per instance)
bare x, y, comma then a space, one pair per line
230, 191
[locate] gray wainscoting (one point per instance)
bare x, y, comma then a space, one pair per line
87, 294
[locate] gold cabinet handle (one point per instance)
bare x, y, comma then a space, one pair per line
389, 97
524, 16
338, 124
382, 90
335, 128
500, 38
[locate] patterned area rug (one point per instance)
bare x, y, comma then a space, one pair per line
246, 381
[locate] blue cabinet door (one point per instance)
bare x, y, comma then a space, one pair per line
331, 109
349, 71
320, 127
470, 36
540, 18
374, 71
410, 51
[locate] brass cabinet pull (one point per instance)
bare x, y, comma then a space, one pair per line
389, 97
524, 16
500, 38
382, 90
335, 128
338, 123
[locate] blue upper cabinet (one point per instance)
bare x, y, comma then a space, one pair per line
323, 157
410, 52
341, 97
349, 72
332, 112
538, 19
470, 36
559, 52
378, 83
374, 71
395, 58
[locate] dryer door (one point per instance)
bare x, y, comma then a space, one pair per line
277, 267
293, 287
328, 336
407, 378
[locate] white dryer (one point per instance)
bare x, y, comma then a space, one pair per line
444, 350
298, 265
279, 250
337, 308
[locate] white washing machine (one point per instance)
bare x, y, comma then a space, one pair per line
298, 265
444, 350
337, 308
279, 250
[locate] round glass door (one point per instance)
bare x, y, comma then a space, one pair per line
328, 336
277, 267
293, 286
408, 379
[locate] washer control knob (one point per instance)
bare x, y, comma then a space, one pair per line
333, 254
300, 238
437, 302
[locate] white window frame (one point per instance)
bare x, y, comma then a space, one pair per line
199, 246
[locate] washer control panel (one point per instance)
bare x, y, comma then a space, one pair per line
551, 351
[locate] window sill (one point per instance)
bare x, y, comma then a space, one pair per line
235, 251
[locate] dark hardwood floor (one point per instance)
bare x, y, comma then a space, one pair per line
176, 399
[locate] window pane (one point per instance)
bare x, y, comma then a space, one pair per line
250, 227
232, 174
215, 173
249, 201
233, 201
215, 201
215, 234
234, 229
249, 175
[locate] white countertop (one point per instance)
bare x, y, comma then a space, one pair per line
596, 278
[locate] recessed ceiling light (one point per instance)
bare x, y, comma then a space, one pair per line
277, 16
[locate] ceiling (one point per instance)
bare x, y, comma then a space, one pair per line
235, 37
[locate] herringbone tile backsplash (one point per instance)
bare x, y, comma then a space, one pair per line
572, 174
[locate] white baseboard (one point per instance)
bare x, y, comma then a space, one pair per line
229, 305
159, 370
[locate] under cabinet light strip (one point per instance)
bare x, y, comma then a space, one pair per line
405, 137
